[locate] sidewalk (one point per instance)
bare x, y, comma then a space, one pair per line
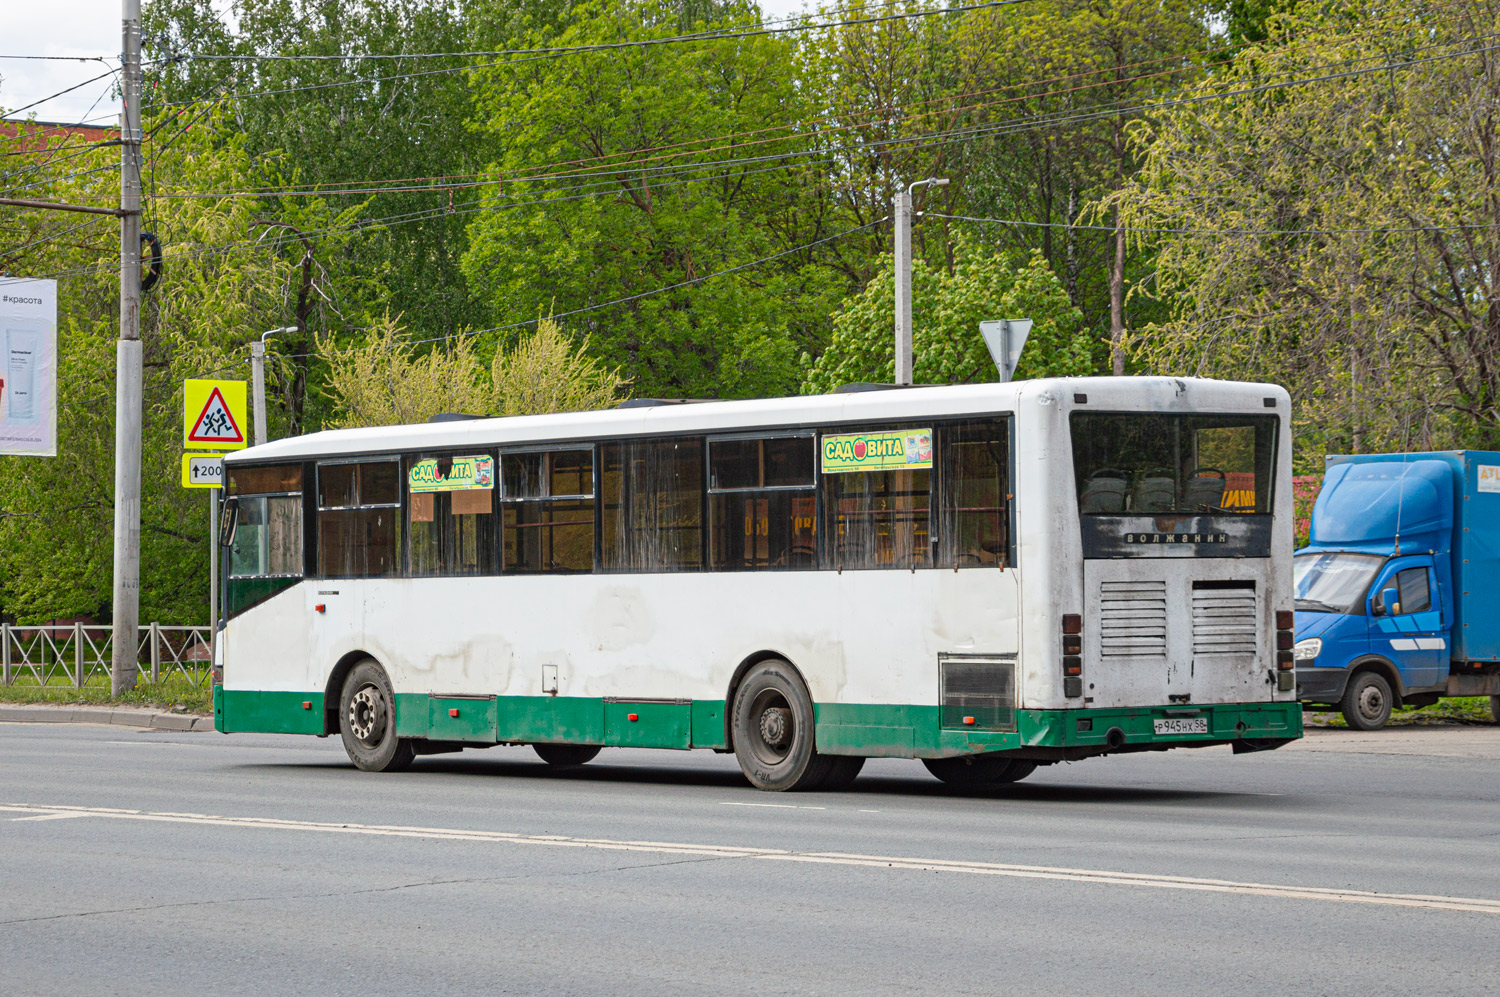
1444, 740
46, 713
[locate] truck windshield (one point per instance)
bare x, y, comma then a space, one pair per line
1146, 464
1333, 583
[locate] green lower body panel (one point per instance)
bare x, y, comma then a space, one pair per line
917, 731
268, 712
871, 730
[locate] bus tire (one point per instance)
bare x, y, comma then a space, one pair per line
1367, 701
969, 771
773, 730
367, 721
842, 771
566, 755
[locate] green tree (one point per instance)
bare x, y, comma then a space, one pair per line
628, 175
56, 515
384, 381
947, 309
1339, 234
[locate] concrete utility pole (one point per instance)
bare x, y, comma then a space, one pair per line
258, 379
127, 580
903, 209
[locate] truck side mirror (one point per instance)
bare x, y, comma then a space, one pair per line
1386, 603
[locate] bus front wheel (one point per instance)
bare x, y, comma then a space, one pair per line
979, 770
773, 730
367, 721
566, 755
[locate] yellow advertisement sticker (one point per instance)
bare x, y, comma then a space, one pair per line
466, 474
907, 449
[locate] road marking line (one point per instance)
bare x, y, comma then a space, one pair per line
1060, 873
50, 817
775, 806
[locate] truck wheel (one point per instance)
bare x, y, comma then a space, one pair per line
367, 721
1367, 701
773, 730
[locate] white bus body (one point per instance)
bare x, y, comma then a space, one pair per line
1178, 611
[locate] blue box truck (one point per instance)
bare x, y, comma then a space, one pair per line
1398, 592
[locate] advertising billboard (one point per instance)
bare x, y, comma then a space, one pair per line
28, 367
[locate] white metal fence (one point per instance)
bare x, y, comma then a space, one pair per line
76, 653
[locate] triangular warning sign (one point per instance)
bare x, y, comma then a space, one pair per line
215, 424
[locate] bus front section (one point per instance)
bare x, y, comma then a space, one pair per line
1168, 548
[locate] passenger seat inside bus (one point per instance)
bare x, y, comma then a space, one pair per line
1156, 491
1202, 492
1105, 492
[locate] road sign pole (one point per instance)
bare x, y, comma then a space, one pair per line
127, 555
213, 571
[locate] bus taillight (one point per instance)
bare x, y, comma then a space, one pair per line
1285, 680
1072, 662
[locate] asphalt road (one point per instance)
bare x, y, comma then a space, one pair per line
167, 863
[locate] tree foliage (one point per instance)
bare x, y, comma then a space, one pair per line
1339, 235
56, 515
384, 381
946, 312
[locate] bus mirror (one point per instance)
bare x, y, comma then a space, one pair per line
229, 518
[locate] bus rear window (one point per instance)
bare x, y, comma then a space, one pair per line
1141, 464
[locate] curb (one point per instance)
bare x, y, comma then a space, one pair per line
148, 719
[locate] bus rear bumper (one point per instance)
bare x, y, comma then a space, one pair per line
1069, 735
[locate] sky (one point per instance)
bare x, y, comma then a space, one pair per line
92, 28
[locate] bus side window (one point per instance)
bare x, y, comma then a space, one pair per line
268, 539
877, 518
547, 504
974, 520
359, 514
762, 503
652, 505
450, 515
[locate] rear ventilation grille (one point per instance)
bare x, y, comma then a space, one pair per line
980, 687
1224, 618
1133, 619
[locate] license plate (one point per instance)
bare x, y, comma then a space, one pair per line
1181, 725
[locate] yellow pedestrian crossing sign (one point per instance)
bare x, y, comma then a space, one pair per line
213, 415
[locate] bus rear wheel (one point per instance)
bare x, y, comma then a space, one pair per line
773, 730
367, 721
566, 755
979, 770
842, 771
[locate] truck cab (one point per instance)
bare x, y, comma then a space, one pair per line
1395, 593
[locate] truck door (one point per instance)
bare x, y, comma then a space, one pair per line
1410, 631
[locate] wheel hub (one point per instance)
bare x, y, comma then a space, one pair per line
1371, 702
367, 715
776, 726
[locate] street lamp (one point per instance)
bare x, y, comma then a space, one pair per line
258, 369
903, 277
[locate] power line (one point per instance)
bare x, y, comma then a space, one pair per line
800, 24
910, 142
537, 54
446, 183
1215, 231
60, 93
635, 297
61, 58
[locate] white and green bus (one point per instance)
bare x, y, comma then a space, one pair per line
984, 577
